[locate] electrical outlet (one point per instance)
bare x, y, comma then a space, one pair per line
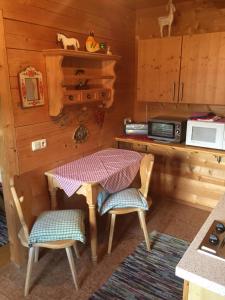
38, 145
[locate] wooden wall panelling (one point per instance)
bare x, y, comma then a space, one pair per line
108, 10
191, 17
194, 178
19, 60
58, 137
35, 37
56, 15
8, 157
28, 116
184, 178
31, 27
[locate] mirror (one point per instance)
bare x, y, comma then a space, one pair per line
31, 87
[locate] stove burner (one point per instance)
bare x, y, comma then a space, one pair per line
213, 239
220, 228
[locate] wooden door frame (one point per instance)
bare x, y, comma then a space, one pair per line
8, 155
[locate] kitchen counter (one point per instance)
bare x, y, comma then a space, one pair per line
144, 141
203, 270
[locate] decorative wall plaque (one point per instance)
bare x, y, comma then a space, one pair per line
31, 87
81, 134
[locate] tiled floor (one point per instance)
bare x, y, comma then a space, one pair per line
51, 276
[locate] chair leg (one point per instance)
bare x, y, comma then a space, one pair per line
112, 225
29, 270
141, 215
72, 266
108, 222
76, 250
36, 254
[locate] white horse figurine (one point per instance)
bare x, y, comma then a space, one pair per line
167, 20
68, 41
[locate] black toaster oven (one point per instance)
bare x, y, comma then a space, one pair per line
170, 129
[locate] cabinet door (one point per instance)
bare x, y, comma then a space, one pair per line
158, 69
203, 69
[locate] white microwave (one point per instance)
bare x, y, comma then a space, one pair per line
206, 134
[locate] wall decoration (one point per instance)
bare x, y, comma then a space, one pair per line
167, 20
67, 42
108, 51
99, 115
31, 87
80, 134
92, 45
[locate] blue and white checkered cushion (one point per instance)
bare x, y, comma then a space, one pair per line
126, 198
58, 225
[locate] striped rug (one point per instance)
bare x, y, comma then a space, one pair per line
143, 275
3, 229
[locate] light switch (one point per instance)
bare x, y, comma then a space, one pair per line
38, 145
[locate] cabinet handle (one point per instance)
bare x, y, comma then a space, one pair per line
174, 90
182, 91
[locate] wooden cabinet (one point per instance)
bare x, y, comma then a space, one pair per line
158, 69
76, 77
203, 69
188, 69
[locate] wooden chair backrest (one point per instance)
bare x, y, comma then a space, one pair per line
22, 196
145, 173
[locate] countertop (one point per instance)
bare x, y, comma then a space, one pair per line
199, 268
172, 146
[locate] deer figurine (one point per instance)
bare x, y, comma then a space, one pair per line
167, 20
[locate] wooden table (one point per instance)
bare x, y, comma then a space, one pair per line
125, 161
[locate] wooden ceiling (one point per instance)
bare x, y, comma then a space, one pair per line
139, 4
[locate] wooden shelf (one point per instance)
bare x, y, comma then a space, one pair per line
80, 54
73, 79
59, 76
78, 77
171, 146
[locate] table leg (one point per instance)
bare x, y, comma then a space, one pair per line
52, 191
91, 201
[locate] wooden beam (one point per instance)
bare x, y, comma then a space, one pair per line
8, 156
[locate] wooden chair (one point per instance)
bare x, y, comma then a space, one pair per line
145, 175
22, 196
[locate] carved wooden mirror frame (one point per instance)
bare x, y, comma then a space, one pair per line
31, 87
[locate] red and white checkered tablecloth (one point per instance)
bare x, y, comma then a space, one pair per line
114, 169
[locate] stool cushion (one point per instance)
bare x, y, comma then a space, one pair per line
126, 198
58, 225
